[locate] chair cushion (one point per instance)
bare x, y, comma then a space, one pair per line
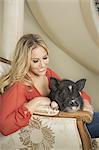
4, 68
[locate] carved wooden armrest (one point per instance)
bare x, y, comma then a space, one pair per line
85, 116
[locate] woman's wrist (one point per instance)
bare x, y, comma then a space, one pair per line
88, 107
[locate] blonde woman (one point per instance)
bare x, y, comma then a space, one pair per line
24, 89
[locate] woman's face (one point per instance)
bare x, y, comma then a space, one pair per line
39, 61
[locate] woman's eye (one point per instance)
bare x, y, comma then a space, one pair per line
45, 57
35, 61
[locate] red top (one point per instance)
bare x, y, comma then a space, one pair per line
13, 114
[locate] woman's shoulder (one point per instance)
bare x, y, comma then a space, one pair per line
51, 73
49, 69
85, 96
17, 86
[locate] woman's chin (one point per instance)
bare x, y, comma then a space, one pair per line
42, 72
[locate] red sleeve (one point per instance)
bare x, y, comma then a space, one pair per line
13, 114
86, 97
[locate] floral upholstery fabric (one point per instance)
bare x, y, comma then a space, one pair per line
44, 133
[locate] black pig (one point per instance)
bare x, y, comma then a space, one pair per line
67, 94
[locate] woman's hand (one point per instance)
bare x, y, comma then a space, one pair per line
88, 107
42, 105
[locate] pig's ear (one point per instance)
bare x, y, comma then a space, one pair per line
54, 83
80, 84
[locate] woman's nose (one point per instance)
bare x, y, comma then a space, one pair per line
42, 64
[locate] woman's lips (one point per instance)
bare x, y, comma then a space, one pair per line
42, 70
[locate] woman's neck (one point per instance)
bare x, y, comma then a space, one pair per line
41, 84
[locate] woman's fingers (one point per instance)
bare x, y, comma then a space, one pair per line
54, 105
46, 111
42, 105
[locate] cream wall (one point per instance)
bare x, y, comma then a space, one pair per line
1, 20
61, 63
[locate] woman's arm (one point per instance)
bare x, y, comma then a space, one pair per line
87, 102
15, 111
42, 106
35, 104
13, 114
88, 107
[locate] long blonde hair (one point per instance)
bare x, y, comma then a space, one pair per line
20, 64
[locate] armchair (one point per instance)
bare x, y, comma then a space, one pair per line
4, 65
65, 131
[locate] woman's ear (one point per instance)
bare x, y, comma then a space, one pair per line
54, 83
80, 84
